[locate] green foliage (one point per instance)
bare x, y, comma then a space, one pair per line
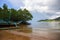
50, 20
57, 19
0, 13
27, 15
20, 15
46, 20
24, 15
5, 13
5, 7
14, 15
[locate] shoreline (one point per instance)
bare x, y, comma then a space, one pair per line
41, 35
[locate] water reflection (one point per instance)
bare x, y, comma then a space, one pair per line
24, 28
48, 25
38, 31
46, 30
43, 30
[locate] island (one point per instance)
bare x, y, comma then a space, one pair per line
50, 20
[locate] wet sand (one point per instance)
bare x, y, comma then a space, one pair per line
36, 35
9, 36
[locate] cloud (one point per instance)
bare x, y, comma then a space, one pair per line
42, 5
54, 5
35, 5
46, 8
16, 3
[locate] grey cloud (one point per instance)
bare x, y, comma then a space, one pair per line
51, 14
54, 6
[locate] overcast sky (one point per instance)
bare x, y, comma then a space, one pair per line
40, 9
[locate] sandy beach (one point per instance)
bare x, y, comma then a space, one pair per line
14, 35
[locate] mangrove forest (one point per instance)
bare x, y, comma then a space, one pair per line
11, 15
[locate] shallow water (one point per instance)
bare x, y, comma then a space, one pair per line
35, 31
45, 26
46, 30
49, 25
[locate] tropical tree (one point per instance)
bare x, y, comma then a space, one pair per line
27, 15
20, 14
5, 13
13, 15
1, 13
24, 15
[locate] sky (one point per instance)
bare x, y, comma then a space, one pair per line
40, 9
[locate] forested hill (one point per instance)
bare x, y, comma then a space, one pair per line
57, 18
49, 20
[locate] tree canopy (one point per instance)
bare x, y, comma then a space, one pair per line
14, 15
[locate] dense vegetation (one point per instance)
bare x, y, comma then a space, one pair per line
46, 20
57, 19
50, 20
13, 15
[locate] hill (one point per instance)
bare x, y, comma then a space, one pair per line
49, 20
